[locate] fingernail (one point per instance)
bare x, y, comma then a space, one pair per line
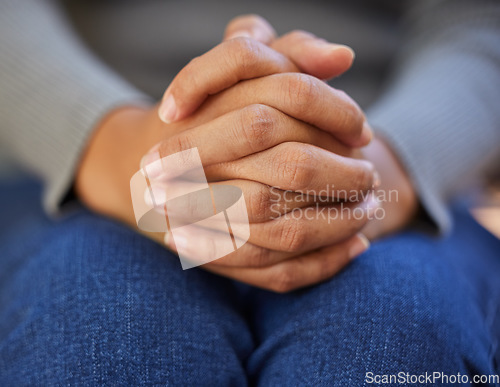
376, 180
168, 109
151, 165
334, 47
239, 34
359, 246
343, 47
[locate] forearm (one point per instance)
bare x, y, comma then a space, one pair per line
102, 179
439, 114
53, 93
395, 191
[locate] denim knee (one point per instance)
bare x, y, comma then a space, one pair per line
418, 308
98, 302
400, 307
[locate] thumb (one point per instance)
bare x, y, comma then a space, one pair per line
313, 55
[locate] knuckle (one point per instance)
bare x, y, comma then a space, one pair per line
187, 78
192, 64
191, 69
258, 123
244, 51
292, 164
260, 203
301, 91
293, 236
176, 144
260, 257
299, 175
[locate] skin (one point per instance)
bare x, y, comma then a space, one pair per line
304, 132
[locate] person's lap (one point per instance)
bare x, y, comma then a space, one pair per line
87, 300
412, 304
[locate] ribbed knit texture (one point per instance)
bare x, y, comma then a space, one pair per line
441, 112
53, 92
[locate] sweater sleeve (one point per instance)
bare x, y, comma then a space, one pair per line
441, 112
53, 92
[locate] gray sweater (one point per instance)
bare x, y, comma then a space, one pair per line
428, 75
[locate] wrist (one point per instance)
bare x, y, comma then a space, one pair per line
400, 201
110, 159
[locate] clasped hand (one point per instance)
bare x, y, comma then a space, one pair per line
263, 119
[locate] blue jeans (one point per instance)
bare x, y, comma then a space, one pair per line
86, 300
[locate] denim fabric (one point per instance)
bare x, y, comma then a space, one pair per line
86, 301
